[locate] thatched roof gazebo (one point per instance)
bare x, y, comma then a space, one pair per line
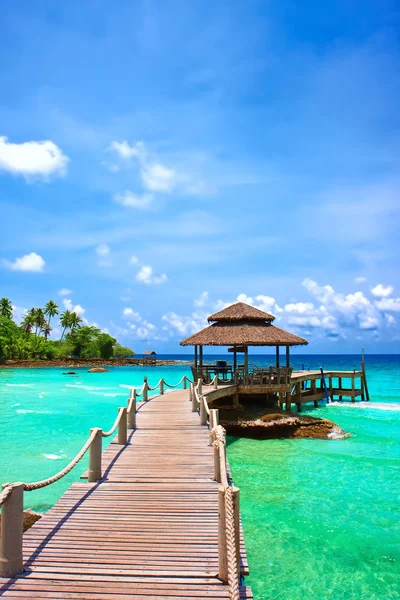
241, 326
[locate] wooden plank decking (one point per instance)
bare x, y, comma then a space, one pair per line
147, 530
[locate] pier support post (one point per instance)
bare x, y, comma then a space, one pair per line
340, 388
11, 532
353, 388
132, 412
236, 512
222, 554
94, 472
122, 428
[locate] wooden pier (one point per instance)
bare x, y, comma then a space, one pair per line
158, 517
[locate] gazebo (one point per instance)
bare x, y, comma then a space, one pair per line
241, 326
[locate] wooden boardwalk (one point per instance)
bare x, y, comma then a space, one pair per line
148, 529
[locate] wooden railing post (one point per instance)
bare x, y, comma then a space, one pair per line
222, 550
217, 464
216, 382
236, 512
94, 473
194, 401
162, 387
122, 428
203, 412
184, 382
11, 532
132, 412
200, 386
145, 390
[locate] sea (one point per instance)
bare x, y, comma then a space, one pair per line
321, 517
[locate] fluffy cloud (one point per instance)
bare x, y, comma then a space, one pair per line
381, 291
202, 300
389, 304
78, 309
145, 275
32, 262
132, 200
103, 250
129, 313
360, 280
64, 292
184, 325
32, 159
133, 260
138, 327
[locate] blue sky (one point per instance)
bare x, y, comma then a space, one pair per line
159, 160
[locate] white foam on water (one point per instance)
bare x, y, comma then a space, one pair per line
123, 385
54, 456
87, 387
28, 385
374, 405
102, 394
24, 411
17, 404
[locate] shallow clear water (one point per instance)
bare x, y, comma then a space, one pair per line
321, 518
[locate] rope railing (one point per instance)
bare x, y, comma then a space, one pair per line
11, 497
228, 511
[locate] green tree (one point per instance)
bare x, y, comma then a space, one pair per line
6, 310
105, 344
46, 330
51, 310
84, 342
76, 320
28, 322
122, 351
40, 320
65, 321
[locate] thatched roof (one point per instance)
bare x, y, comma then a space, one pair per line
239, 312
250, 333
149, 352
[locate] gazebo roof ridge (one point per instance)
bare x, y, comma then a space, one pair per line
240, 312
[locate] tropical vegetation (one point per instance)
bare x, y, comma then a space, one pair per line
30, 339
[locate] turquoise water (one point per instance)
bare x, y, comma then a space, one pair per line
321, 518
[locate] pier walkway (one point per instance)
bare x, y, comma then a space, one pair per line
153, 525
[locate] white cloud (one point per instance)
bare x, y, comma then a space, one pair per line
158, 178
19, 313
300, 307
202, 300
123, 149
184, 325
41, 159
128, 198
390, 304
103, 250
145, 275
64, 292
390, 319
78, 309
381, 291
129, 313
32, 262
369, 323
264, 303
360, 280
133, 260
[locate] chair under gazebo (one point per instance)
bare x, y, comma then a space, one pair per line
240, 326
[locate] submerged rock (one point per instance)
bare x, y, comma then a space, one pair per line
30, 517
258, 422
69, 373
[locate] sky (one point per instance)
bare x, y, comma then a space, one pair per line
162, 159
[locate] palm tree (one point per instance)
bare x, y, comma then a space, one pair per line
28, 322
40, 319
50, 309
31, 315
6, 308
46, 329
65, 321
76, 320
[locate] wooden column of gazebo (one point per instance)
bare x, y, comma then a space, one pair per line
240, 326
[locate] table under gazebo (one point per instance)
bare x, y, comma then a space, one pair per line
239, 326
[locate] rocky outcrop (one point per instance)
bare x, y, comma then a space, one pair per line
98, 370
30, 517
262, 423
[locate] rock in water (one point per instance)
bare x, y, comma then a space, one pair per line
261, 423
30, 517
98, 370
